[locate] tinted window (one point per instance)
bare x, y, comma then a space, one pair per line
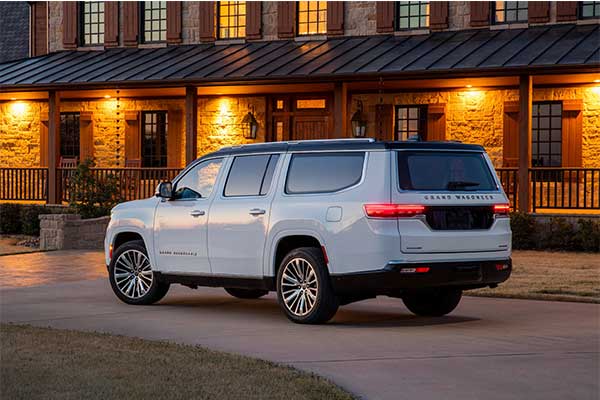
199, 181
423, 170
248, 175
323, 172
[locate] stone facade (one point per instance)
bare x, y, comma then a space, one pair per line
476, 116
55, 26
190, 22
220, 121
69, 231
360, 18
19, 133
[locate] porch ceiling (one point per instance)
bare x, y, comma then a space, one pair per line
484, 52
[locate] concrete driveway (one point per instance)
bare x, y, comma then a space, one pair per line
487, 349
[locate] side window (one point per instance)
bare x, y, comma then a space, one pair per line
250, 175
199, 181
323, 172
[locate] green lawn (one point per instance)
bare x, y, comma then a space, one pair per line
41, 363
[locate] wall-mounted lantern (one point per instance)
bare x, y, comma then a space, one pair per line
359, 122
250, 126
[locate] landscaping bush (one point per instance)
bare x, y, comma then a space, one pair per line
557, 234
91, 196
523, 230
588, 235
10, 218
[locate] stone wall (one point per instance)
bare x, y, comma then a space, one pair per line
269, 20
69, 231
476, 116
19, 133
55, 26
220, 121
190, 22
360, 18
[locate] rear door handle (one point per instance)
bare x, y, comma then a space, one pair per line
257, 211
197, 213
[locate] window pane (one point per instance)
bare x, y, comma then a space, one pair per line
246, 176
423, 170
323, 172
199, 180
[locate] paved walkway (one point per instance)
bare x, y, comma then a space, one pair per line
487, 349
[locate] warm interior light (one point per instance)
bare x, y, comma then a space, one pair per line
107, 96
13, 98
469, 86
596, 80
18, 109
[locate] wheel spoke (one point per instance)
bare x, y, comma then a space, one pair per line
133, 274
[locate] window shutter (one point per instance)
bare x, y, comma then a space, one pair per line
384, 122
173, 22
385, 16
44, 140
253, 20
538, 11
207, 21
174, 142
111, 24
510, 140
40, 28
572, 132
86, 136
286, 19
566, 11
335, 17
131, 23
70, 26
436, 122
133, 138
439, 15
480, 13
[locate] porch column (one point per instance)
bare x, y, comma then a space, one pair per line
340, 110
191, 124
53, 151
525, 100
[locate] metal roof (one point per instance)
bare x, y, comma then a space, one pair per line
564, 47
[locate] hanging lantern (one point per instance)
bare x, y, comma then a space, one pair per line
359, 122
250, 126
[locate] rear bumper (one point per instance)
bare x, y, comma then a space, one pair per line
465, 275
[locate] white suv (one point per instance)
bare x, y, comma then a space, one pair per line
324, 223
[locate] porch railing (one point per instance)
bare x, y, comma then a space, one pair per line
509, 178
23, 184
565, 188
132, 183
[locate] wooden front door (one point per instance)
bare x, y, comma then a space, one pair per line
300, 117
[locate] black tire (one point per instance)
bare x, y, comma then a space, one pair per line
325, 303
434, 302
246, 293
156, 289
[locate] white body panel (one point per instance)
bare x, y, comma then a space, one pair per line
229, 241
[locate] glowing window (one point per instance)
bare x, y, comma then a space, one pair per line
154, 17
510, 11
92, 22
311, 103
312, 17
232, 19
412, 15
410, 122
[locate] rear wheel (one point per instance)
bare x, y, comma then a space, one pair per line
303, 287
131, 276
246, 293
434, 302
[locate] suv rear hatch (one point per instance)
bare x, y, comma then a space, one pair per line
460, 199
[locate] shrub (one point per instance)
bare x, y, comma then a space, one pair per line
588, 235
10, 218
524, 229
92, 196
557, 234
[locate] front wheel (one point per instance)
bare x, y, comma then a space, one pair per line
131, 276
434, 302
303, 287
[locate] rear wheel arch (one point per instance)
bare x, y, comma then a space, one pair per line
290, 242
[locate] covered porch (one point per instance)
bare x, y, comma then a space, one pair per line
143, 114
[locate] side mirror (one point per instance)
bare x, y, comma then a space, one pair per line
165, 190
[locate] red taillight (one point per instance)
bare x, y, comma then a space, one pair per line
414, 270
501, 209
393, 210
502, 267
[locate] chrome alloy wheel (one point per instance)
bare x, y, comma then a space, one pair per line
299, 286
133, 274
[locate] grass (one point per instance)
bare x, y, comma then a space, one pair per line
43, 363
547, 275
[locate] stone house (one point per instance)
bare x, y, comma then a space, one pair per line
144, 88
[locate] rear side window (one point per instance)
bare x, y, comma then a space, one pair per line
323, 172
250, 175
457, 171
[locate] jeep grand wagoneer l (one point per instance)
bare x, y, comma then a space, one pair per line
323, 223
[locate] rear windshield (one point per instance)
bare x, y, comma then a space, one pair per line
455, 171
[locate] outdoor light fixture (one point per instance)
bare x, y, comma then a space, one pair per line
250, 126
359, 122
